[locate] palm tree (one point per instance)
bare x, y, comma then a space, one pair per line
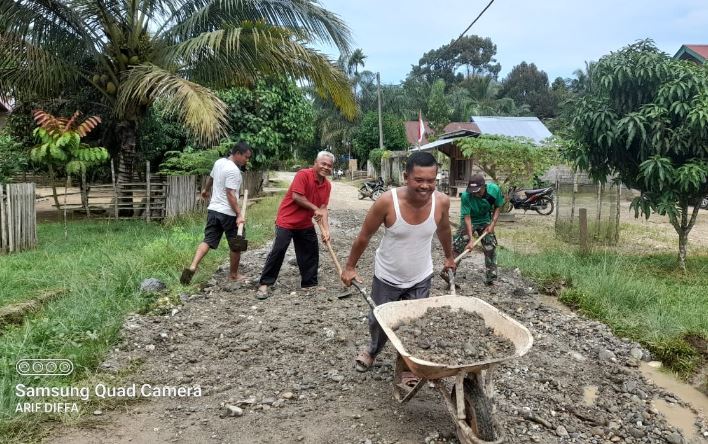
357, 58
137, 51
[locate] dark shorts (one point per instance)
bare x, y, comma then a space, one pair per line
218, 224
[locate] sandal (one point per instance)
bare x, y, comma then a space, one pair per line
363, 361
186, 277
262, 294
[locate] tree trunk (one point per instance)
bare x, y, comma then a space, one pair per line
84, 193
54, 189
684, 227
683, 242
127, 133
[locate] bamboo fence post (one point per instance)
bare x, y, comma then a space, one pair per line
617, 212
583, 215
557, 200
115, 191
85, 192
10, 219
66, 190
147, 200
3, 220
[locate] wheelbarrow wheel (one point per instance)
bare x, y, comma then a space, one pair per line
478, 409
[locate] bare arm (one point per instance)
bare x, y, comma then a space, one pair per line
206, 191
444, 232
232, 197
495, 217
374, 218
302, 201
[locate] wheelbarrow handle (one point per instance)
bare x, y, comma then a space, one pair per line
244, 206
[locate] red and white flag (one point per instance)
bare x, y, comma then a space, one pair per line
421, 127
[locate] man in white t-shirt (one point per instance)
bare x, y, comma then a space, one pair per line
223, 216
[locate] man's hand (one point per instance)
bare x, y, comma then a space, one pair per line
349, 275
325, 236
240, 220
449, 264
319, 214
489, 229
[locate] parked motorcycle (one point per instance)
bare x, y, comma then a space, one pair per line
373, 189
539, 200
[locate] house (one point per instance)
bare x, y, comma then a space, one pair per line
697, 54
461, 167
4, 112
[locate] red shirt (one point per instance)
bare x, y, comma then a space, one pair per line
291, 215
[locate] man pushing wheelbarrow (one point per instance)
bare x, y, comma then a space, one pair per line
403, 268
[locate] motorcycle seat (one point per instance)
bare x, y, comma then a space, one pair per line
537, 191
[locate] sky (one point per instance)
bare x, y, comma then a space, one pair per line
559, 36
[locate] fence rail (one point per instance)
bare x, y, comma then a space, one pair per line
18, 220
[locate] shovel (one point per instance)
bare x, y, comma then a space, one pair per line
240, 242
348, 292
445, 276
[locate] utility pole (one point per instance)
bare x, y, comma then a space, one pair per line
378, 92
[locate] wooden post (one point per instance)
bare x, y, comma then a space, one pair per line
378, 93
66, 191
583, 215
10, 220
147, 199
115, 190
557, 199
85, 192
617, 212
572, 201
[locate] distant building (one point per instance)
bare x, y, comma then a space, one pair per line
697, 54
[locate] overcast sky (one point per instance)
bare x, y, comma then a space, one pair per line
557, 35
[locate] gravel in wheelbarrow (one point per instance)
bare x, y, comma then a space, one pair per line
452, 336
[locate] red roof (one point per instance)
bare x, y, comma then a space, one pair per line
701, 50
412, 130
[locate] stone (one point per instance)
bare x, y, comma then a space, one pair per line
232, 410
152, 285
562, 432
287, 395
636, 353
606, 355
674, 438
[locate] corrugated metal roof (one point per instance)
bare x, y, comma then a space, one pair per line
432, 145
529, 127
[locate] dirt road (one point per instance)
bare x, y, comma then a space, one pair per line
285, 368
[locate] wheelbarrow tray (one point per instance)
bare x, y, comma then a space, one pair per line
394, 314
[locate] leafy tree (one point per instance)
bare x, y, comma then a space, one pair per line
191, 161
133, 53
526, 84
509, 161
356, 59
60, 146
645, 119
367, 135
473, 54
438, 110
275, 118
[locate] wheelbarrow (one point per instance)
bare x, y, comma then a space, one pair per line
470, 399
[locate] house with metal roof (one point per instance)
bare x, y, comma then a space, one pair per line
697, 54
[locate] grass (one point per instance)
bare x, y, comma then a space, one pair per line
101, 264
642, 297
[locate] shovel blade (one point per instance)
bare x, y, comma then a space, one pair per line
239, 243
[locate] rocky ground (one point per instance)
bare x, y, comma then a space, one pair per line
281, 370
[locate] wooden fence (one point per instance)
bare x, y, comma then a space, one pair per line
181, 195
18, 220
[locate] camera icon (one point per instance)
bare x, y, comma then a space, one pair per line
44, 367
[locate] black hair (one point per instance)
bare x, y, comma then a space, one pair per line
421, 159
240, 148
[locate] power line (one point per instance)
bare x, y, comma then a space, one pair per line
473, 22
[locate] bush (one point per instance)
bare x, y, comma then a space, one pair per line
190, 161
13, 159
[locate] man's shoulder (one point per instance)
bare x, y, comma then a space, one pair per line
443, 198
493, 188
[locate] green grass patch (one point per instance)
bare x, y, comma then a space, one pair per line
101, 264
645, 298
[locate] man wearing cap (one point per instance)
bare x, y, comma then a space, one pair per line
222, 216
480, 207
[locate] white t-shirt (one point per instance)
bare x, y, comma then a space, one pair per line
225, 174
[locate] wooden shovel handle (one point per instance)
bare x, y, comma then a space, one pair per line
331, 252
244, 206
467, 250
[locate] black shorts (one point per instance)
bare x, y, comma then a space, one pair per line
218, 224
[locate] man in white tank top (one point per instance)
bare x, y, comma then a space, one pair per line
403, 266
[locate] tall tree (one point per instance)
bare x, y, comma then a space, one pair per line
355, 60
367, 135
438, 110
645, 119
472, 54
133, 52
526, 84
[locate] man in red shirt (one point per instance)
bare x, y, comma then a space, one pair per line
306, 199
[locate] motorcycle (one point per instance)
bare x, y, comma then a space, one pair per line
373, 189
539, 200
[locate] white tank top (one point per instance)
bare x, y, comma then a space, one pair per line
404, 257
